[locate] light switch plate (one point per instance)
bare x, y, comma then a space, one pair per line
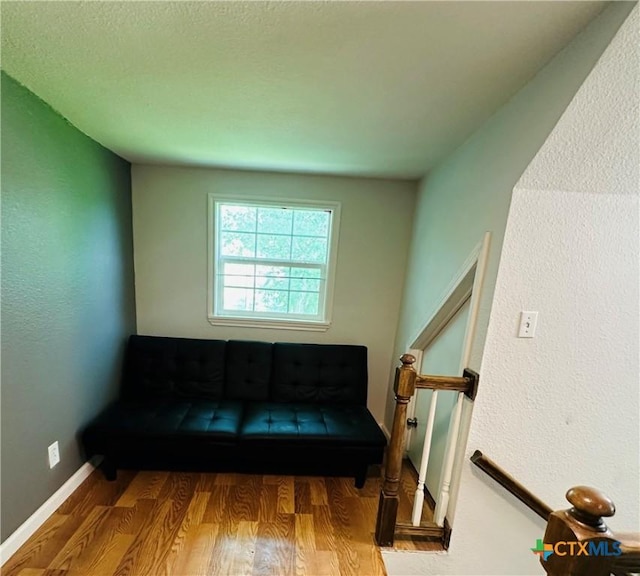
528, 322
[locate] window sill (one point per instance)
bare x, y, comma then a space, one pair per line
270, 323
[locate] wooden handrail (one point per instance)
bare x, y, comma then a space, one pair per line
404, 386
581, 525
630, 559
453, 383
584, 523
512, 486
429, 381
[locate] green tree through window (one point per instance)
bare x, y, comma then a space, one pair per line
272, 260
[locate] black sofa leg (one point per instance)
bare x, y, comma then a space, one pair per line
361, 476
109, 469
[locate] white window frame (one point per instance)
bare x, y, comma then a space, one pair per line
265, 319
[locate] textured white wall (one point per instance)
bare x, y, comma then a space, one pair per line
369, 88
170, 248
469, 192
561, 409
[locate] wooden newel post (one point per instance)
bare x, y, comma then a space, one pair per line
582, 543
404, 387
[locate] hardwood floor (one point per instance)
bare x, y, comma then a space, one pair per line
187, 524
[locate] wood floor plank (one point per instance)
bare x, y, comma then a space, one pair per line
286, 494
55, 572
275, 547
38, 551
305, 535
206, 481
323, 528
318, 491
190, 524
107, 493
194, 556
106, 559
179, 486
347, 487
217, 504
302, 561
136, 560
348, 561
79, 494
245, 551
370, 509
192, 520
105, 550
362, 530
135, 517
318, 563
221, 555
302, 497
370, 561
226, 479
271, 479
244, 498
268, 505
81, 539
31, 572
146, 485
340, 514
165, 529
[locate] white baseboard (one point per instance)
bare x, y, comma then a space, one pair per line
11, 545
384, 430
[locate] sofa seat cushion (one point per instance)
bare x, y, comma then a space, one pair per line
204, 420
294, 423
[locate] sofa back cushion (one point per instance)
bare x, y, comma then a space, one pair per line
319, 374
248, 370
174, 367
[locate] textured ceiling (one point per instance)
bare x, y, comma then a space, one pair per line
370, 88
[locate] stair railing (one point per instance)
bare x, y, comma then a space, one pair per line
406, 381
577, 542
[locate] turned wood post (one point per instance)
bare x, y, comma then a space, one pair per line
571, 532
404, 387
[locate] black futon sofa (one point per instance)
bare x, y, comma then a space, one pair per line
239, 406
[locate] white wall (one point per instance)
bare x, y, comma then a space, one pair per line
561, 409
469, 192
170, 249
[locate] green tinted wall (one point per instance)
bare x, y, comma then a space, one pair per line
67, 293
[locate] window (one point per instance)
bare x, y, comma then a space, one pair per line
271, 262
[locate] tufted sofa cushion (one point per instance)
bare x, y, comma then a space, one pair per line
248, 370
174, 367
166, 418
310, 424
319, 374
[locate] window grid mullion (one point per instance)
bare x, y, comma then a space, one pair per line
293, 216
255, 251
283, 284
274, 263
323, 237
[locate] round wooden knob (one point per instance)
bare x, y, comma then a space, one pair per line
590, 502
407, 359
